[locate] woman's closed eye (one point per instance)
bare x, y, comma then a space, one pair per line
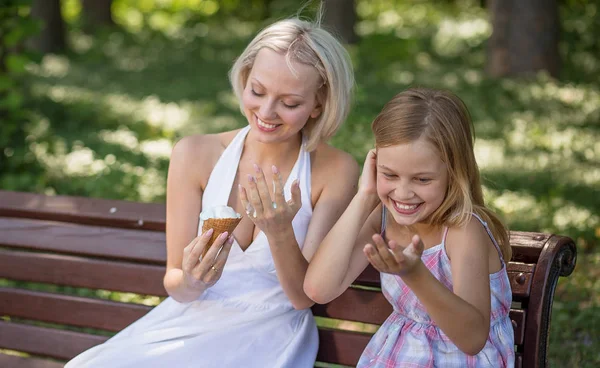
287, 105
423, 180
290, 106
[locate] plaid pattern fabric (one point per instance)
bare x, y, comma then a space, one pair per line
410, 339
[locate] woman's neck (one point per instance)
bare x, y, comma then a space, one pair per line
277, 154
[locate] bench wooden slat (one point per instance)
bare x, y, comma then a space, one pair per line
91, 211
118, 213
521, 267
369, 277
114, 316
82, 272
12, 361
99, 241
50, 342
527, 246
356, 305
51, 236
341, 347
70, 310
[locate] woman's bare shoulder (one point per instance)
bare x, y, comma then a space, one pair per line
334, 171
199, 153
333, 164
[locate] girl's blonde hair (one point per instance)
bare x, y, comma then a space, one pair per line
443, 119
307, 43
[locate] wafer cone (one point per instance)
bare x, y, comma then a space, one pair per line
219, 226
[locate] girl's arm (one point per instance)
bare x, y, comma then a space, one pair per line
463, 314
186, 277
339, 259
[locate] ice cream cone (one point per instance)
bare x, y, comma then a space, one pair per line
219, 226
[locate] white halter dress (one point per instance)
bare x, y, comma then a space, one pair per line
244, 320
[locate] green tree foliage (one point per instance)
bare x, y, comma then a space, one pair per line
15, 28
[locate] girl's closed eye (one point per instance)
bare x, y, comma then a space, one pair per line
423, 180
389, 175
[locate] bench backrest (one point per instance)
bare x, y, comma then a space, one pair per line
120, 246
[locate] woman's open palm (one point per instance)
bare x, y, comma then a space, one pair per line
270, 212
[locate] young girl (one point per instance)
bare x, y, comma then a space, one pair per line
441, 253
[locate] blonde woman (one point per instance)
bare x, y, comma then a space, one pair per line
245, 306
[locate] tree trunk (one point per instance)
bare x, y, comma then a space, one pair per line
524, 38
51, 39
96, 13
340, 19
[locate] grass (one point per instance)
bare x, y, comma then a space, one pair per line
108, 113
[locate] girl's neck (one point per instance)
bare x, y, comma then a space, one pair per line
431, 235
277, 154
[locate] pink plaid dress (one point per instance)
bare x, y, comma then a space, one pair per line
410, 339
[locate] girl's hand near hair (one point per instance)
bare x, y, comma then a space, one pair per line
368, 179
392, 257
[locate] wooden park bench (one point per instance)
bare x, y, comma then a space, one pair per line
120, 246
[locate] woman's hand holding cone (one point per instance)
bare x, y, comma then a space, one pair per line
203, 271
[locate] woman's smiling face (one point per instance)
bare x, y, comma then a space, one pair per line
412, 180
278, 102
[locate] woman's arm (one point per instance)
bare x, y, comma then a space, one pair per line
339, 259
186, 278
339, 182
333, 187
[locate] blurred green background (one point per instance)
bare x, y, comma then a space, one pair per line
99, 117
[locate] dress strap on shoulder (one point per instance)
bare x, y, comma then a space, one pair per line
221, 179
301, 171
383, 220
486, 227
445, 234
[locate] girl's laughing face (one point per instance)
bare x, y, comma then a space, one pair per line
412, 180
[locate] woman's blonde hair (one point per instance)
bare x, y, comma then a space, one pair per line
443, 119
307, 43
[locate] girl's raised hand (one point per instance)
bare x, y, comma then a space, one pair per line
200, 273
273, 215
392, 257
368, 178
